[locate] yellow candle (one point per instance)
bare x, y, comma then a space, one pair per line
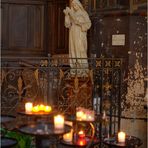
47, 109
59, 122
41, 107
28, 107
84, 117
121, 137
68, 137
35, 109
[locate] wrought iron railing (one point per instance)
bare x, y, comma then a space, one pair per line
53, 81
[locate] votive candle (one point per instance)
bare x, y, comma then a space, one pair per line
81, 134
59, 122
68, 137
47, 109
28, 107
121, 137
79, 115
81, 142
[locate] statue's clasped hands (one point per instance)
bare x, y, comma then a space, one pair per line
67, 10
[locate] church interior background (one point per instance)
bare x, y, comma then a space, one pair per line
35, 63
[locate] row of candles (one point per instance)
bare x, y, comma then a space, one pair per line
82, 138
29, 108
77, 138
58, 119
83, 114
59, 123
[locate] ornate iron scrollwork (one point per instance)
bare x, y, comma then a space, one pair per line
49, 80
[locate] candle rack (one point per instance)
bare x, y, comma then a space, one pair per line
53, 84
83, 140
130, 141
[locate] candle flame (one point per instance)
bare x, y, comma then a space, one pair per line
41, 108
81, 132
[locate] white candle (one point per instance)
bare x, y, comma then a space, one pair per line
90, 115
28, 107
81, 134
79, 115
121, 137
104, 115
90, 118
59, 122
68, 137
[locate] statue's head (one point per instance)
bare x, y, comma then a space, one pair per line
76, 5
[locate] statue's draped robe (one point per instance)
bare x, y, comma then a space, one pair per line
78, 25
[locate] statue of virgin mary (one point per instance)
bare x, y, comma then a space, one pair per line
78, 22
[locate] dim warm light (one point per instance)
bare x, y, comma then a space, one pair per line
81, 141
68, 137
81, 138
83, 114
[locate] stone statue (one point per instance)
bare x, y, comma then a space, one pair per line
78, 22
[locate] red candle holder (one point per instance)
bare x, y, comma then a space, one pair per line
81, 138
81, 134
81, 141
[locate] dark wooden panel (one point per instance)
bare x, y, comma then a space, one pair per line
18, 28
4, 23
23, 29
58, 34
60, 27
38, 2
34, 27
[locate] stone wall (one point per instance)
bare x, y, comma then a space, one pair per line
136, 128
